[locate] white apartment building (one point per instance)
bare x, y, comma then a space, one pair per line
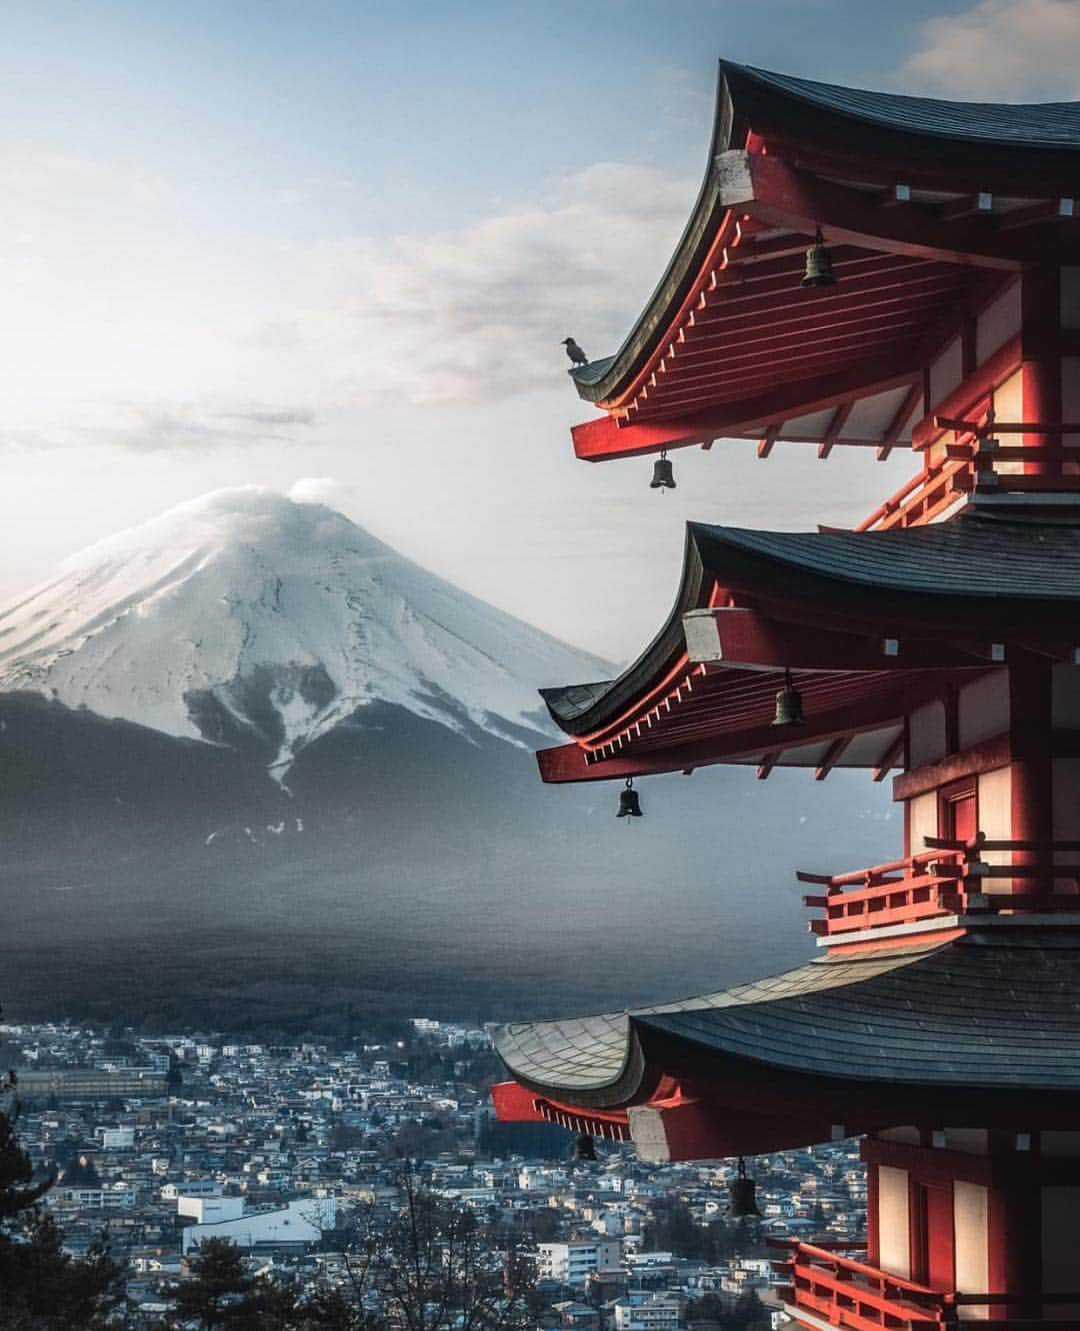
656, 1312
571, 1262
209, 1210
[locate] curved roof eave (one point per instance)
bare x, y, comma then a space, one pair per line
888, 126
575, 707
976, 572
845, 1019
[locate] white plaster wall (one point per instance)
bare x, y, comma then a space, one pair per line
1009, 406
971, 1207
995, 819
997, 323
922, 820
946, 372
984, 708
1066, 813
926, 734
1065, 696
1070, 404
893, 1221
1070, 297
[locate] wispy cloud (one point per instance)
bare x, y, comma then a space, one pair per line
456, 316
1001, 51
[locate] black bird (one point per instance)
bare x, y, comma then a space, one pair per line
575, 353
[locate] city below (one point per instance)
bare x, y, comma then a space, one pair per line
163, 1143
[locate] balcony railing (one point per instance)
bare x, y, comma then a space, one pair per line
850, 1295
949, 878
977, 461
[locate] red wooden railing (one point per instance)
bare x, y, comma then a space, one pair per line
971, 463
948, 878
851, 1295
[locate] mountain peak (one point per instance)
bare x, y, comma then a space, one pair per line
247, 611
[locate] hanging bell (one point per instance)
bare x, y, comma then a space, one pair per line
819, 269
742, 1201
663, 474
584, 1149
789, 710
629, 804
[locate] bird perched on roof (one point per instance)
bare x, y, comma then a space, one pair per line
577, 356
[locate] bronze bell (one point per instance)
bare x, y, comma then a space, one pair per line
663, 474
789, 710
584, 1149
629, 804
819, 269
742, 1201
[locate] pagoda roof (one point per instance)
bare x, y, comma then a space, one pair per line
930, 209
1038, 125
952, 1015
972, 573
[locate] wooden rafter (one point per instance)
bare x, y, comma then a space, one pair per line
832, 434
892, 756
832, 756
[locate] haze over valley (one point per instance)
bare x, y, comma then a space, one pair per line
259, 764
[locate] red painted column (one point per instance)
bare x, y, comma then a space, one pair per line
1040, 351
1032, 770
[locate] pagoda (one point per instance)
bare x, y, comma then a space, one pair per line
887, 273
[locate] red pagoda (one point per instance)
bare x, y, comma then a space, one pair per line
880, 272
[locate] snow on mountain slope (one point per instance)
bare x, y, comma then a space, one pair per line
283, 617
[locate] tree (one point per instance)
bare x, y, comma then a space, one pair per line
218, 1291
42, 1287
432, 1268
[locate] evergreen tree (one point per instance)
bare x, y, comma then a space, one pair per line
218, 1291
42, 1288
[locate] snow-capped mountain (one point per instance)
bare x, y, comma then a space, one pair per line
248, 614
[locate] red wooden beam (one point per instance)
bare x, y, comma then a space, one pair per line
972, 394
754, 382
899, 420
878, 290
771, 190
893, 755
603, 438
833, 755
568, 762
765, 446
980, 204
736, 638
768, 762
1047, 210
839, 420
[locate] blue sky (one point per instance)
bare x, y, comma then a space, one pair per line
250, 242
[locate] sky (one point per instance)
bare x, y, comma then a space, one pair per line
339, 244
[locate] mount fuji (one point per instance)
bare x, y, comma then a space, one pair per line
258, 770
249, 619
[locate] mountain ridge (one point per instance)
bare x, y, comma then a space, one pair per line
248, 616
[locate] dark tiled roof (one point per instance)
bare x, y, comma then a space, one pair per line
1038, 125
971, 557
987, 1011
979, 572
